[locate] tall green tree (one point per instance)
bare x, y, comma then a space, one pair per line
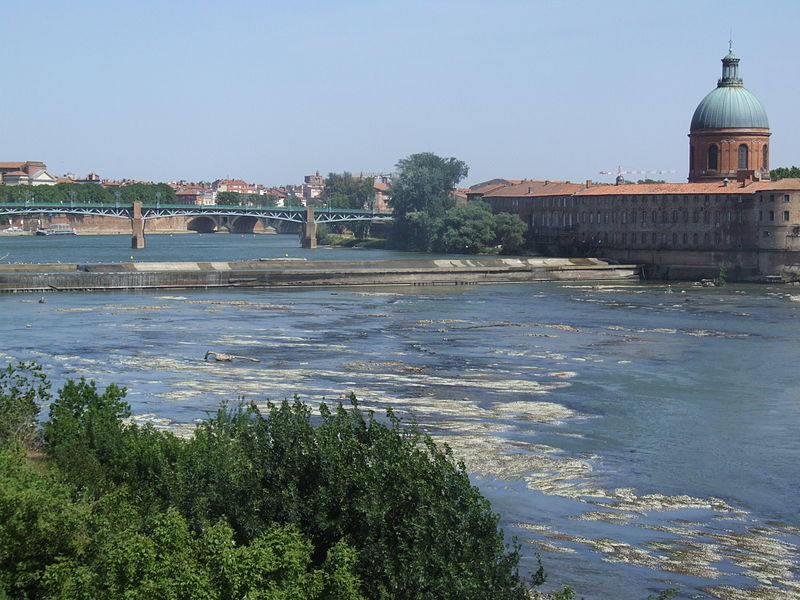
342, 190
509, 231
421, 195
468, 228
784, 172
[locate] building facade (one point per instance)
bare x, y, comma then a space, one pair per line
729, 216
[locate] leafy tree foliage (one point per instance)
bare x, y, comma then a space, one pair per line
784, 172
421, 195
22, 388
345, 191
509, 231
420, 529
471, 227
88, 193
237, 199
468, 228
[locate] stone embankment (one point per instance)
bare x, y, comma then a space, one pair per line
260, 273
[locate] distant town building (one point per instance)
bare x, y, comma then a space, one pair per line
312, 188
28, 172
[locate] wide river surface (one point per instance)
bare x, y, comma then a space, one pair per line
636, 436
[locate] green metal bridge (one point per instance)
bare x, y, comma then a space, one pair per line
138, 213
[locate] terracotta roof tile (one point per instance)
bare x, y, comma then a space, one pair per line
716, 187
536, 188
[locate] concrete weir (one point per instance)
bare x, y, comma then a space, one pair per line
259, 273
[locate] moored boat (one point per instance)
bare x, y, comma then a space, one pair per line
56, 229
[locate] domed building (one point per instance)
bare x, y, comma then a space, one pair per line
729, 216
729, 131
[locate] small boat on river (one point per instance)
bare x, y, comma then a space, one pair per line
56, 229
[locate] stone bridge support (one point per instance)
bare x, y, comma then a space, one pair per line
310, 229
137, 226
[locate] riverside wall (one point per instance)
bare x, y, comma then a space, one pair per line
265, 273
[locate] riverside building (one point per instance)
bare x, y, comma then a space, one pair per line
729, 215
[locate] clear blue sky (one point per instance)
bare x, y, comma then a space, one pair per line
271, 91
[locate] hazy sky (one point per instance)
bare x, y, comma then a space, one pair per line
271, 91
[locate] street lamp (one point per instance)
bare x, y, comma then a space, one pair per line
117, 195
158, 199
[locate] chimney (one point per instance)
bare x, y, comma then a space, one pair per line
588, 183
725, 182
529, 189
745, 176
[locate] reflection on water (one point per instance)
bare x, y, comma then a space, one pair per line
624, 433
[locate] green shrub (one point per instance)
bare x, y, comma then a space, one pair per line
22, 388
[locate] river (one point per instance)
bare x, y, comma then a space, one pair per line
636, 436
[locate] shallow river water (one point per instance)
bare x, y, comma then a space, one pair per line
636, 436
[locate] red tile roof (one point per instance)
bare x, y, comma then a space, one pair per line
536, 188
716, 187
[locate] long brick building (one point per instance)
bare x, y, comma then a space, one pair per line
729, 214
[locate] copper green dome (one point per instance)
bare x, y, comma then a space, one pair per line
730, 105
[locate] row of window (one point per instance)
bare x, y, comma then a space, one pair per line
559, 219
712, 162
771, 215
571, 201
659, 239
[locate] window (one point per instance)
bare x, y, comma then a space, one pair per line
786, 215
765, 158
772, 215
743, 156
691, 158
713, 152
694, 239
786, 197
761, 215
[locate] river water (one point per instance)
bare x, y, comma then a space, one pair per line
636, 436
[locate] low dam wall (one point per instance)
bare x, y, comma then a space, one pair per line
298, 272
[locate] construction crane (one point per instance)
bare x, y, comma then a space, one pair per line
619, 172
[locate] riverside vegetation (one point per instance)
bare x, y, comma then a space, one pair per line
272, 505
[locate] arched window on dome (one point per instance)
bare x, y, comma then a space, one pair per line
691, 158
743, 156
765, 158
713, 154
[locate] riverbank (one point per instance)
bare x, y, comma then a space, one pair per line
282, 272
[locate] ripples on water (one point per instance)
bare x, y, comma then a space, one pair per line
639, 433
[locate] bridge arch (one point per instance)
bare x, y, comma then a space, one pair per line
202, 224
245, 224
